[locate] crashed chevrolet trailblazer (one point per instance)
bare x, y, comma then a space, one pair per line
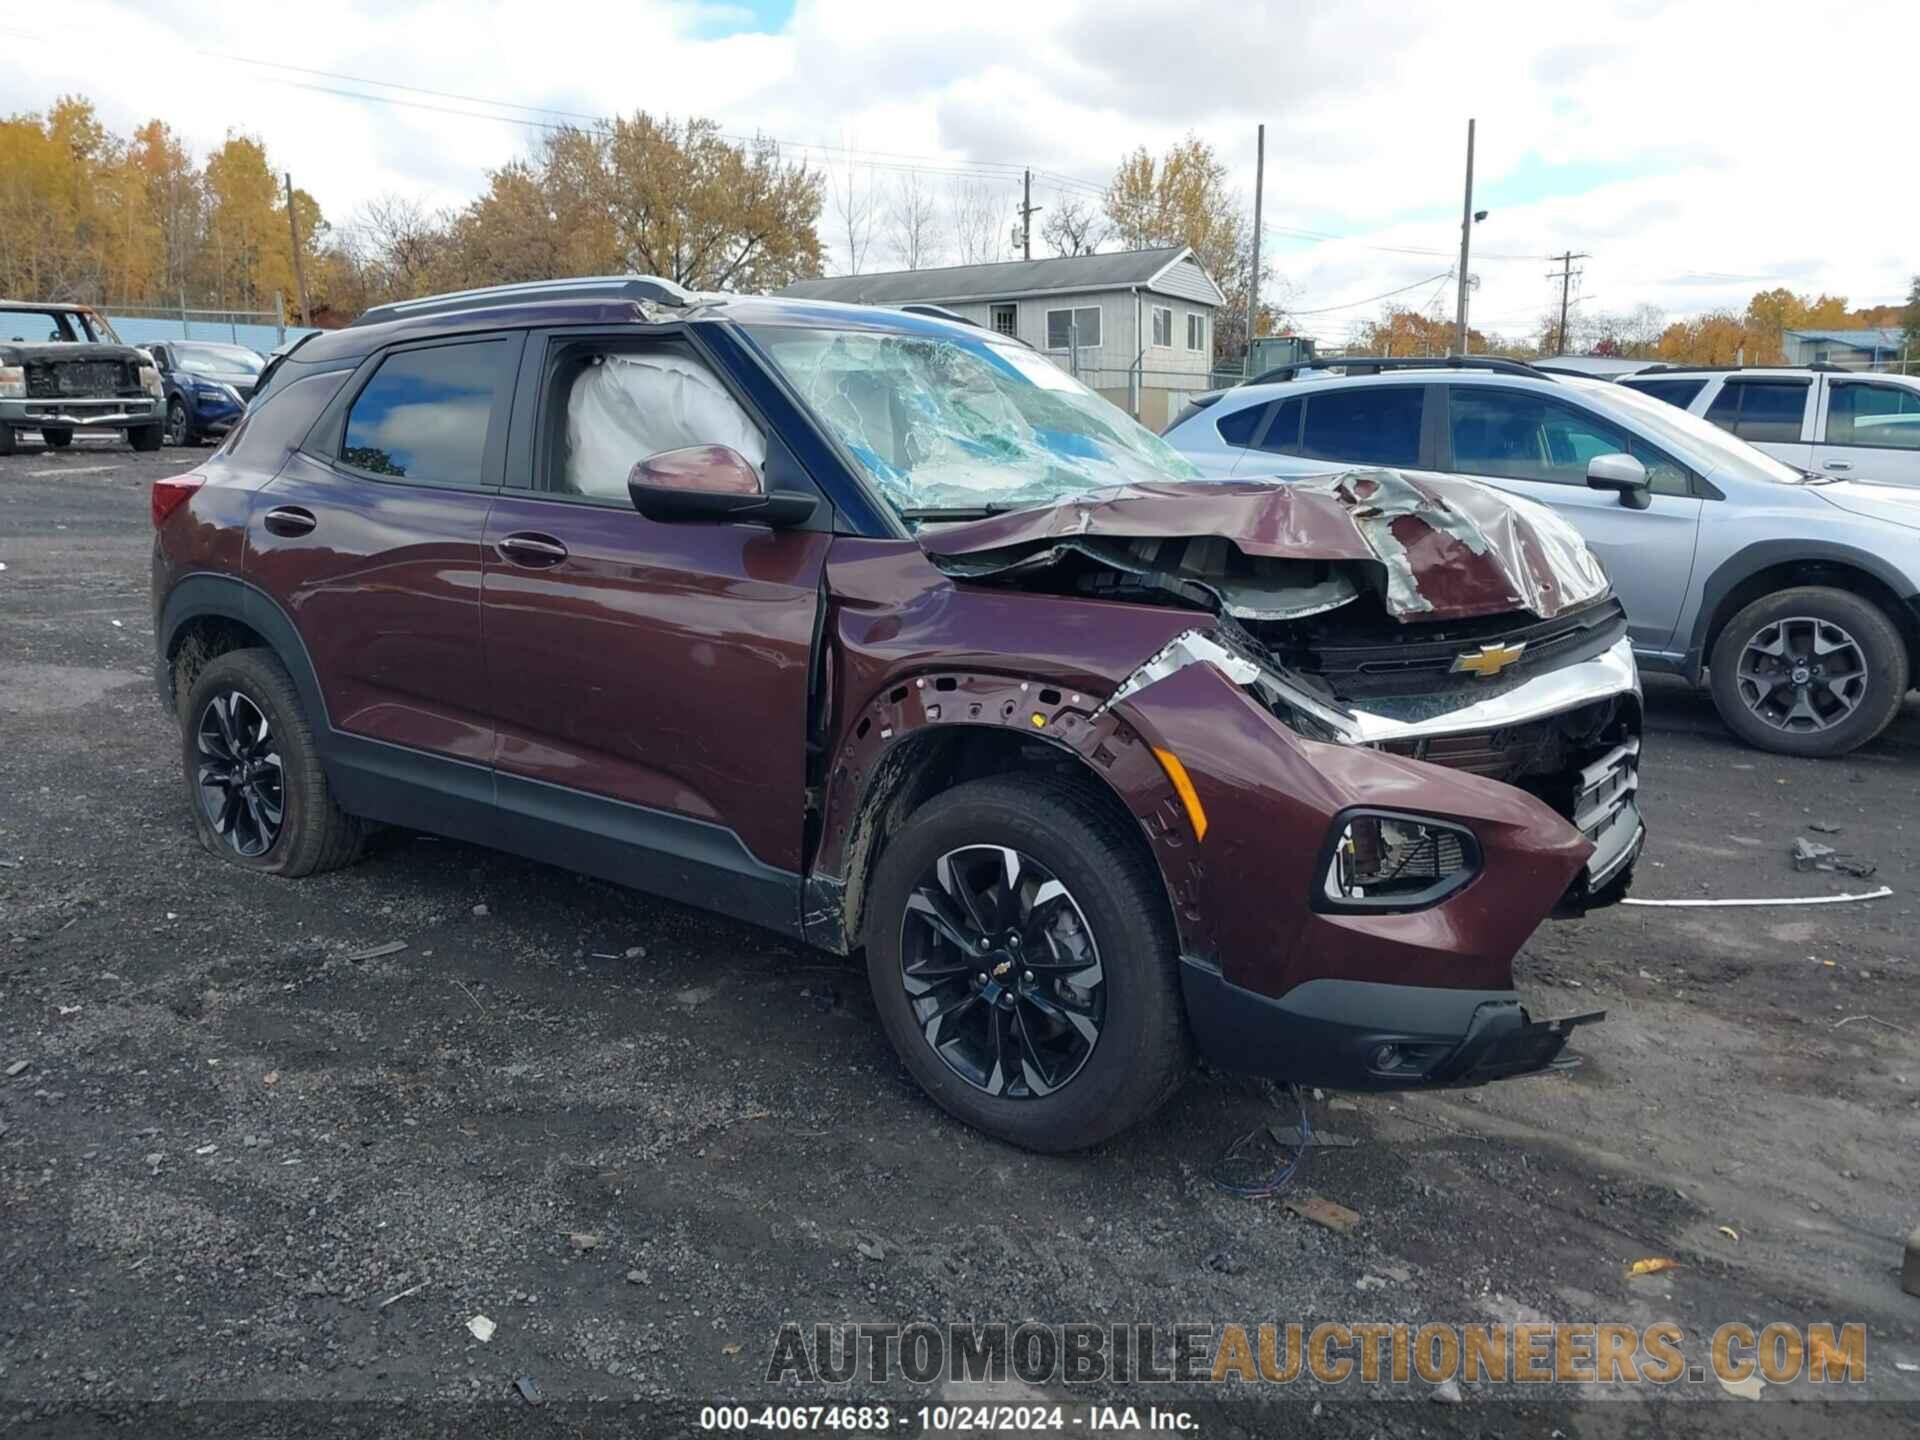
883, 632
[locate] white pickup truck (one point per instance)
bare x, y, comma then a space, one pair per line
1848, 424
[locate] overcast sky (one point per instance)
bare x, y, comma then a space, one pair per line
1699, 149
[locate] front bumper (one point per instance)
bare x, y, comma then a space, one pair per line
1362, 1035
80, 414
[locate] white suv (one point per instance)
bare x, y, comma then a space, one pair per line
1848, 423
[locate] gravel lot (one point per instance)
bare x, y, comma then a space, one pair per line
638, 1138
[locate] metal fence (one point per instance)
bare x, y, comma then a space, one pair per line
260, 330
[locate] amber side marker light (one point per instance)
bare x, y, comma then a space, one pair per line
170, 494
1183, 787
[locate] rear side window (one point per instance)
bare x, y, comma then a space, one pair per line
1367, 425
280, 421
425, 414
1760, 409
1283, 435
1674, 392
1241, 426
1883, 416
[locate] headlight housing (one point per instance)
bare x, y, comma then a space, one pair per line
1391, 861
13, 382
150, 381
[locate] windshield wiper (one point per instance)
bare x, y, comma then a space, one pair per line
966, 512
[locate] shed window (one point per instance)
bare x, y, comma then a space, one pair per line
1196, 332
1163, 326
1080, 326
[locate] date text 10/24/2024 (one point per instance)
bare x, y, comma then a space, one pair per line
936, 1419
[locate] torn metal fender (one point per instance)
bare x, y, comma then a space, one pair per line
1270, 799
1448, 548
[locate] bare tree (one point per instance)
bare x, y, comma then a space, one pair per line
910, 222
976, 212
397, 243
855, 214
1073, 228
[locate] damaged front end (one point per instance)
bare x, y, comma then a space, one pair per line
1408, 708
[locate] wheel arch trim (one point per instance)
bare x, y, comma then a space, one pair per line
201, 596
881, 755
1751, 560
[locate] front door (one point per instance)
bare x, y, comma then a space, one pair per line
1539, 447
650, 681
1871, 431
370, 540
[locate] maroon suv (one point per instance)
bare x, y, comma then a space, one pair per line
881, 631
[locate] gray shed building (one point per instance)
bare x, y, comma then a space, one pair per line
1870, 349
1136, 325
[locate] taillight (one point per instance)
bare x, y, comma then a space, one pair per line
170, 494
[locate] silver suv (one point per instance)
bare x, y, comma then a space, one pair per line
1848, 423
1796, 594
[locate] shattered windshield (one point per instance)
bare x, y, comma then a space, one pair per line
941, 422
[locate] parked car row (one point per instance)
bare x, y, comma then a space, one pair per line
1793, 592
63, 371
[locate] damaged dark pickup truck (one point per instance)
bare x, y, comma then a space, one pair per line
884, 632
64, 372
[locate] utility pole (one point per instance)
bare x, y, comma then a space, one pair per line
1253, 279
1027, 211
1466, 235
1565, 274
299, 265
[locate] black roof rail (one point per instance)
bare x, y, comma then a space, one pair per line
648, 288
939, 312
1822, 367
1375, 364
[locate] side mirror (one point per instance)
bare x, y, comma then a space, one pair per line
713, 483
1624, 475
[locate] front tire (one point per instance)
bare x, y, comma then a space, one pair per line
57, 439
9, 442
1810, 671
1077, 1030
259, 796
145, 437
179, 427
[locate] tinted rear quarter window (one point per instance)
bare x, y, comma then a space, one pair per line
1674, 392
1367, 425
1242, 425
425, 414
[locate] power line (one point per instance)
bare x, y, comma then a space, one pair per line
1386, 295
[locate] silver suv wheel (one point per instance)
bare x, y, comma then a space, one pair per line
1802, 674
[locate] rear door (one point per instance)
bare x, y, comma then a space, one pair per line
1537, 445
1870, 430
370, 539
1773, 412
649, 680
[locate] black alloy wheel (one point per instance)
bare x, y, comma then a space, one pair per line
1802, 674
179, 428
1002, 972
241, 780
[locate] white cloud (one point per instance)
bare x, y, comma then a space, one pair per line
1699, 148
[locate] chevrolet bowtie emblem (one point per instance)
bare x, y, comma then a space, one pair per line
1488, 660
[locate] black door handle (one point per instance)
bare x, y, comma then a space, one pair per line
290, 520
530, 549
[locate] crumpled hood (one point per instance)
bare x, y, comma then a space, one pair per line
1899, 504
1445, 549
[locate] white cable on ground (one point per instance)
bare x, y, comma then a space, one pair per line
1879, 894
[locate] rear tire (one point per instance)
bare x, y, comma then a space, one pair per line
1111, 906
57, 439
1779, 668
242, 721
145, 437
